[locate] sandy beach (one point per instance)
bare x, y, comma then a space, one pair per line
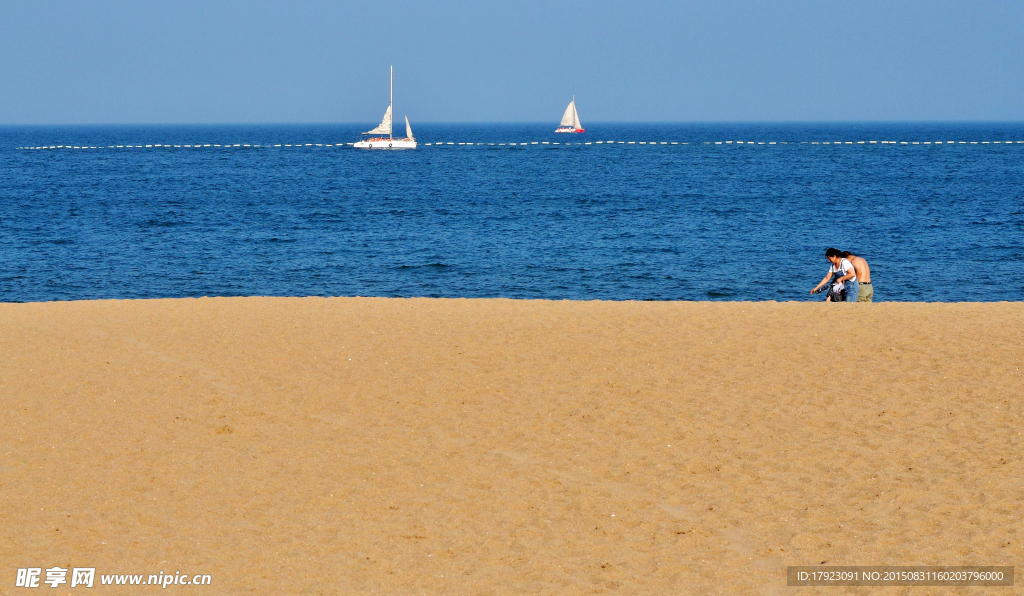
426, 446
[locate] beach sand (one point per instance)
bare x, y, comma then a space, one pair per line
424, 446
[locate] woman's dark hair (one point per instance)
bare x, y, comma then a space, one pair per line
832, 252
846, 253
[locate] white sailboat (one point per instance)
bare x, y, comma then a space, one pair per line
380, 141
570, 119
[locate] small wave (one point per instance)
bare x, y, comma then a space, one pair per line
721, 293
153, 223
426, 266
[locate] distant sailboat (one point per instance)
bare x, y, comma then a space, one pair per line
384, 128
570, 119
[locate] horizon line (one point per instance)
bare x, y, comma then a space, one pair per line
519, 122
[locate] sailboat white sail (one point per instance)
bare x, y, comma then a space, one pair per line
570, 119
385, 128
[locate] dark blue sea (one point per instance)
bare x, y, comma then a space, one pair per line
697, 221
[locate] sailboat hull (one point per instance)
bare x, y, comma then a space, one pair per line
385, 144
569, 129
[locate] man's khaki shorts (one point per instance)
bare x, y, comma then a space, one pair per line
867, 292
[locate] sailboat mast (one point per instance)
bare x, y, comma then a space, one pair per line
391, 101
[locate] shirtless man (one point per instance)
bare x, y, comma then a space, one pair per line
867, 291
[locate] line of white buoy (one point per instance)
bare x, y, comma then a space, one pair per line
452, 143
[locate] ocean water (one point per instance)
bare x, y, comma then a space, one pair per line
693, 221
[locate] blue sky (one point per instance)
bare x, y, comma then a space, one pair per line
252, 61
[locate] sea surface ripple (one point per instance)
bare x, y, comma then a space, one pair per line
616, 222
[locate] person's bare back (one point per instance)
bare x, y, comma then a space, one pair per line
862, 269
